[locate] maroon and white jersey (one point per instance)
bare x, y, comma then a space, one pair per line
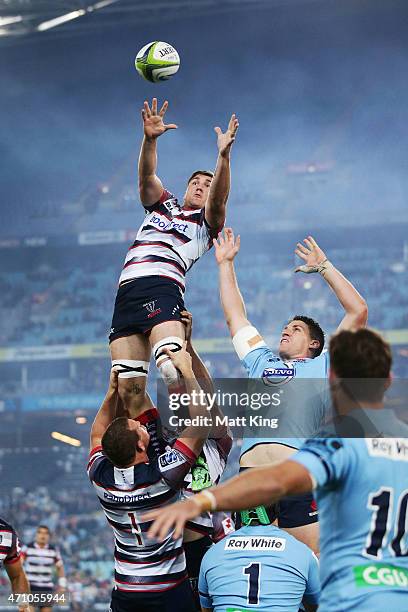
40, 563
142, 564
10, 551
169, 241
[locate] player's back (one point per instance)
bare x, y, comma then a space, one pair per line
260, 566
362, 497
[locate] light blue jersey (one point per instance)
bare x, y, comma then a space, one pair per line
362, 495
304, 404
258, 568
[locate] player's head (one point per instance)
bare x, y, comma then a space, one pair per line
42, 535
125, 442
360, 365
261, 515
301, 337
198, 186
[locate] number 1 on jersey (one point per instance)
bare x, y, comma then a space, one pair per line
136, 529
253, 572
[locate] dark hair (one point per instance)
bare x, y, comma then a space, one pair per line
204, 172
361, 354
43, 527
315, 331
119, 443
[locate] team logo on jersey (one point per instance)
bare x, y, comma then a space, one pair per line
227, 525
255, 543
172, 205
170, 459
150, 307
278, 376
165, 225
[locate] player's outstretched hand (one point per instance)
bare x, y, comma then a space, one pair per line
226, 246
312, 255
153, 124
187, 320
174, 517
225, 140
181, 360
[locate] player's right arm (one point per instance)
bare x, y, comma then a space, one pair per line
248, 343
106, 413
150, 186
192, 437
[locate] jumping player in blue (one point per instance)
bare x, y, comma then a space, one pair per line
361, 486
259, 565
300, 355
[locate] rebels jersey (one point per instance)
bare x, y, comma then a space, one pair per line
170, 239
362, 494
142, 564
303, 405
258, 568
40, 563
9, 544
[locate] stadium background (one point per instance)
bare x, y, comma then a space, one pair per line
322, 98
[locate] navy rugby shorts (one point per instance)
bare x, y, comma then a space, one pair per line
179, 599
143, 303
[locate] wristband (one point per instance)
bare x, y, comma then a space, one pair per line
205, 501
62, 582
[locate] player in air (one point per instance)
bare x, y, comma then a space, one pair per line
360, 485
10, 556
259, 565
172, 237
41, 561
149, 575
300, 355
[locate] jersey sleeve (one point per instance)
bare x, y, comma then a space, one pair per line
312, 591
205, 599
327, 460
13, 548
96, 459
166, 195
175, 464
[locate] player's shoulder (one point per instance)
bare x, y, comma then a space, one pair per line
5, 526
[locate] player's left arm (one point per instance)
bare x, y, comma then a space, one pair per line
255, 487
106, 413
62, 580
353, 303
220, 185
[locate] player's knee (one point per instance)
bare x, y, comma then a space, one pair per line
163, 363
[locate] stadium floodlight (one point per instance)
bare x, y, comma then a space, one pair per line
52, 23
4, 21
66, 439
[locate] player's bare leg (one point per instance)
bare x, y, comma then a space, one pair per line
171, 335
131, 356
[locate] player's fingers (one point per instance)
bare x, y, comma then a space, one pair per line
300, 254
218, 130
238, 242
147, 108
163, 108
178, 532
313, 241
154, 106
309, 243
229, 234
170, 126
302, 248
